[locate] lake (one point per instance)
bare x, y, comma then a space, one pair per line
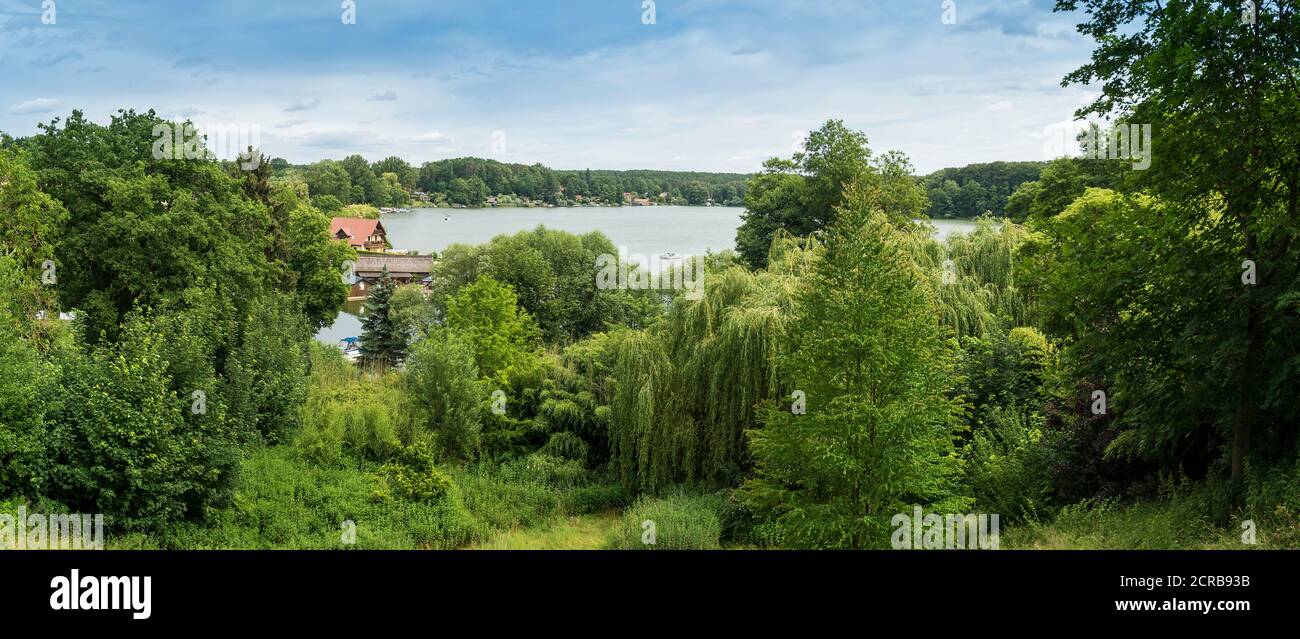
643, 230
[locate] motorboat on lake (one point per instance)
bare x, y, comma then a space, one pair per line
351, 348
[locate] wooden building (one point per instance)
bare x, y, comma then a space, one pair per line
359, 233
403, 269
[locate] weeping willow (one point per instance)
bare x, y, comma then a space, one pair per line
652, 442
974, 276
701, 373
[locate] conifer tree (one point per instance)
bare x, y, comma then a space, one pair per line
382, 341
867, 352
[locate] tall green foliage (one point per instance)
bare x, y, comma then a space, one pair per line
266, 375
799, 195
443, 385
867, 352
487, 314
1221, 95
124, 443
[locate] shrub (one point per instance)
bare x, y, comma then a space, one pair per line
1006, 468
566, 446
414, 477
502, 504
597, 498
119, 444
266, 375
442, 382
26, 387
285, 501
352, 415
1273, 501
680, 522
542, 470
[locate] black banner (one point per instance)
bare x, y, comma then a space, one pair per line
522, 588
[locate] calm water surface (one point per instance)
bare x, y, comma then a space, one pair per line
645, 230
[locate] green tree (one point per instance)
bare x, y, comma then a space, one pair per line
328, 177
1222, 96
799, 195
406, 174
383, 343
869, 355
487, 313
361, 176
697, 193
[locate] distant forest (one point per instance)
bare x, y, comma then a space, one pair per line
964, 192
976, 189
471, 181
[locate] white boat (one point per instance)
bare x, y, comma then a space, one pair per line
351, 348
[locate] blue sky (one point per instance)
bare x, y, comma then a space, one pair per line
716, 85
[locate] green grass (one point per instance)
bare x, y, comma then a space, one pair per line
583, 532
1174, 523
285, 500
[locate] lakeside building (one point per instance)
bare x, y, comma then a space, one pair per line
359, 233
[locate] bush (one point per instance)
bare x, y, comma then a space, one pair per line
502, 504
414, 477
597, 498
442, 382
1273, 502
349, 415
542, 470
285, 501
119, 444
26, 386
680, 522
266, 375
1006, 467
566, 446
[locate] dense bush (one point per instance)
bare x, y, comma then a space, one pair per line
286, 501
1273, 501
1007, 467
413, 476
120, 445
566, 446
266, 375
598, 498
443, 387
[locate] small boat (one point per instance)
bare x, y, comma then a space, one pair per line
670, 256
351, 348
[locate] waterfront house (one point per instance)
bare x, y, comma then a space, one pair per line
359, 233
403, 269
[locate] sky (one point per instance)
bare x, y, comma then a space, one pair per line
707, 85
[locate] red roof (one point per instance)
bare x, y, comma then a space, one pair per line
358, 230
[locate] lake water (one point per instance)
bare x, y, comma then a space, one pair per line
642, 230
647, 230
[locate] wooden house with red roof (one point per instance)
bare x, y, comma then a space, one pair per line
359, 233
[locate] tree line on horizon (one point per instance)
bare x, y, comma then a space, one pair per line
961, 192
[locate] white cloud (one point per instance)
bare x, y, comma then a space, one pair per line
39, 105
303, 105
